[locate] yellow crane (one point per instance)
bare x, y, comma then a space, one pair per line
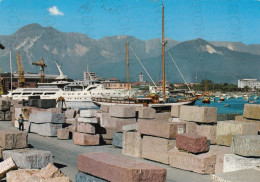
42, 65
20, 69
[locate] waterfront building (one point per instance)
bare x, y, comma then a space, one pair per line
250, 83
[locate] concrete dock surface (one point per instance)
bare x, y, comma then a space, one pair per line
65, 156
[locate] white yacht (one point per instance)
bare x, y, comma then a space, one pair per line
58, 88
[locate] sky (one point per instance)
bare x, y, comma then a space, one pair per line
213, 20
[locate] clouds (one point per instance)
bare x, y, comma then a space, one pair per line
54, 11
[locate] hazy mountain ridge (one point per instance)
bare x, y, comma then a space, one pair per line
219, 61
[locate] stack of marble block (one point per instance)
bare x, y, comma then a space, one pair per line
117, 118
250, 115
70, 126
200, 127
87, 128
5, 114
45, 123
132, 140
103, 167
13, 144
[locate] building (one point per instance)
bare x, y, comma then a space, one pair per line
250, 83
141, 77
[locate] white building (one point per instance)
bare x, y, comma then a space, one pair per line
251, 83
141, 78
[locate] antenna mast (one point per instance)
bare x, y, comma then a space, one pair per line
163, 54
127, 59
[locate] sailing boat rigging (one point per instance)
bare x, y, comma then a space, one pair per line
151, 100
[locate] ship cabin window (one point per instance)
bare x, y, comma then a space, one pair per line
19, 93
85, 93
40, 93
79, 93
64, 93
27, 93
50, 93
69, 93
73, 94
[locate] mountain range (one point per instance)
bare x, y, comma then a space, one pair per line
218, 61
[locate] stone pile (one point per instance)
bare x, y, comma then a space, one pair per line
48, 173
5, 114
14, 145
87, 129
45, 123
113, 121
250, 114
109, 167
193, 151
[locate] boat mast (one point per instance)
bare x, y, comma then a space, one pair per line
163, 51
127, 59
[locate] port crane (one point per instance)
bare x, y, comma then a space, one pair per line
42, 65
20, 69
1, 85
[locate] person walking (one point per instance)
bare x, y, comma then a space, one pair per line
20, 121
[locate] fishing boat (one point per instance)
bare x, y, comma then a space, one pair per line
206, 100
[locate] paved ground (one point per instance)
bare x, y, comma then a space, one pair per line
66, 153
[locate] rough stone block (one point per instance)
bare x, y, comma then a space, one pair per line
6, 166
104, 108
252, 111
115, 168
225, 130
5, 105
45, 129
72, 128
24, 111
175, 111
122, 111
242, 119
47, 103
156, 149
130, 127
50, 171
8, 116
226, 116
85, 139
87, 120
104, 119
118, 139
209, 131
29, 158
164, 116
83, 177
63, 134
86, 128
71, 121
161, 129
202, 163
106, 141
146, 112
246, 145
198, 114
118, 123
192, 143
13, 139
17, 175
1, 152
191, 127
70, 113
220, 151
132, 144
107, 133
234, 162
252, 175
90, 113
47, 117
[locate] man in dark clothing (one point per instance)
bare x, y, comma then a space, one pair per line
20, 121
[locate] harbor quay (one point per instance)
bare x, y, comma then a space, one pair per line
128, 143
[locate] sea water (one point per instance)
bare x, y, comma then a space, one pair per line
231, 105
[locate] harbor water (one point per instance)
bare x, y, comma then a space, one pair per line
231, 105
